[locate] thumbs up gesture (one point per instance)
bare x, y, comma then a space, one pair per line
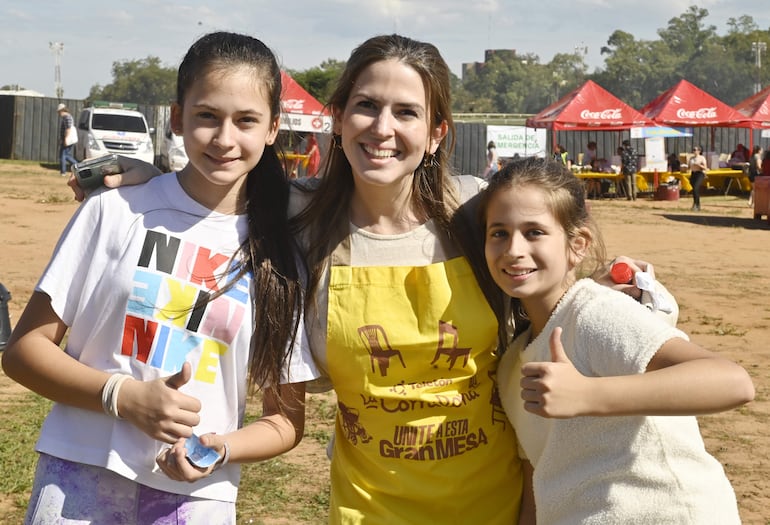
157, 407
554, 389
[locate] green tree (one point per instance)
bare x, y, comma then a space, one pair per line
506, 83
738, 71
686, 35
144, 81
634, 68
320, 81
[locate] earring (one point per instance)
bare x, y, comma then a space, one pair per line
429, 161
337, 142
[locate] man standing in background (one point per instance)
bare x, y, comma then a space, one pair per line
628, 168
68, 137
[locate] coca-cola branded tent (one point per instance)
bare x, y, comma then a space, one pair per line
300, 111
687, 105
589, 107
756, 109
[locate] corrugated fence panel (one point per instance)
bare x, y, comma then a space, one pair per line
470, 151
6, 126
607, 142
29, 131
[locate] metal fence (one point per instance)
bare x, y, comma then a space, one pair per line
29, 131
29, 126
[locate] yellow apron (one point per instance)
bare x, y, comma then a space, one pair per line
421, 436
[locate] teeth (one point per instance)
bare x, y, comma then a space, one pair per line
379, 153
518, 273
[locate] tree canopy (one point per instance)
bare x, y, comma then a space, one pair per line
144, 81
636, 71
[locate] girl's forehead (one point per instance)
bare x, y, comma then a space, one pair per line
391, 76
520, 200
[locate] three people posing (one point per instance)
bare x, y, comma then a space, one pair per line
401, 317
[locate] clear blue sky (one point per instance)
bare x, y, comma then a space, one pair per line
304, 33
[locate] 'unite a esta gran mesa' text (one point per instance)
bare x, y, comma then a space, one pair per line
432, 441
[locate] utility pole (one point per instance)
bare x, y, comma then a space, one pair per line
581, 51
58, 49
758, 48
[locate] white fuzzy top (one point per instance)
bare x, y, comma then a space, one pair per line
602, 470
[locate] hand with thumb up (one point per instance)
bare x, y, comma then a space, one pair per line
554, 389
158, 408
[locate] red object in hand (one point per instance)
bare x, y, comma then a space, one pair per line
621, 273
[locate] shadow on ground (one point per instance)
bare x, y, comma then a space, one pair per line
705, 219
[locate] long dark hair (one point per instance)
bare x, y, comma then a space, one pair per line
269, 253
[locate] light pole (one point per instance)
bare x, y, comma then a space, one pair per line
581, 51
758, 48
58, 49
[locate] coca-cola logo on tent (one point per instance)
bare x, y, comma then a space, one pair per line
605, 114
700, 113
293, 104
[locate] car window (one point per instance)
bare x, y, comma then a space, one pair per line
105, 121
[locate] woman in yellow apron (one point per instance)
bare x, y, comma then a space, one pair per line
400, 323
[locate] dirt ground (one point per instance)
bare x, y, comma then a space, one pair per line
715, 262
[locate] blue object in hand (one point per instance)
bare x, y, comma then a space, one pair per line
198, 454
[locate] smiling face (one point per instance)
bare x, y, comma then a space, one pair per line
528, 252
226, 124
384, 126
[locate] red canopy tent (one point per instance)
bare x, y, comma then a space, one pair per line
756, 109
687, 105
300, 111
589, 107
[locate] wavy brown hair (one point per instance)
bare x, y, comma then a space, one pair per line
433, 194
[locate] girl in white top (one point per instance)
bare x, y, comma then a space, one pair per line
155, 284
647, 463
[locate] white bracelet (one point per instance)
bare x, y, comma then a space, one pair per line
225, 457
110, 394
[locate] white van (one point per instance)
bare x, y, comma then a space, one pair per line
109, 127
173, 156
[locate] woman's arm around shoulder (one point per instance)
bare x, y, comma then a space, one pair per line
134, 172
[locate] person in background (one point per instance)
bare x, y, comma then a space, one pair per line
561, 154
754, 169
155, 287
590, 156
314, 155
68, 137
628, 168
766, 164
593, 186
739, 157
492, 160
674, 164
602, 393
698, 167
